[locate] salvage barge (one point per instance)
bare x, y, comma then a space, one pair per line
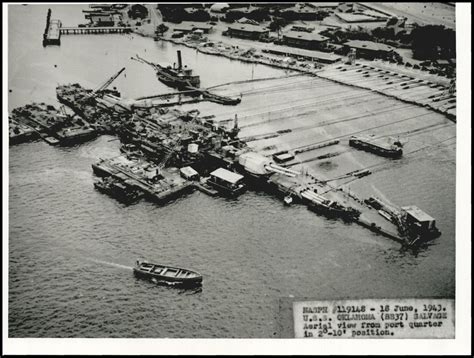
54, 126
158, 142
157, 184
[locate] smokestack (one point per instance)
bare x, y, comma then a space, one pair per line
180, 63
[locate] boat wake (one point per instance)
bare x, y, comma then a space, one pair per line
111, 264
182, 290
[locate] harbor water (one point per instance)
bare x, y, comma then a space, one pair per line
71, 248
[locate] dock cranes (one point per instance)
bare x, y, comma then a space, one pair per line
106, 84
168, 156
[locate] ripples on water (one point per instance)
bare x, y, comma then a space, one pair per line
71, 248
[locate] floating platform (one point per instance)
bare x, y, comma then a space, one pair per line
157, 184
46, 122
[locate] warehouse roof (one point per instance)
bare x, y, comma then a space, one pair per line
308, 36
190, 27
369, 45
248, 28
291, 51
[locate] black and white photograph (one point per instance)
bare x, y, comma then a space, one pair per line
236, 170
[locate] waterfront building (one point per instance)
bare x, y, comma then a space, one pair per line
102, 18
311, 55
248, 31
187, 28
305, 40
369, 49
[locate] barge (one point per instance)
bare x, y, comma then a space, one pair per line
388, 147
330, 208
75, 135
118, 190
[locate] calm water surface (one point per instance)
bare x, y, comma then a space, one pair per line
71, 248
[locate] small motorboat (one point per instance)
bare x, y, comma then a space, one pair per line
167, 274
288, 200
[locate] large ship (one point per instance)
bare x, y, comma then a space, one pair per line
387, 147
180, 77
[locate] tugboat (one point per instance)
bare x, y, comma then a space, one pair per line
390, 147
167, 274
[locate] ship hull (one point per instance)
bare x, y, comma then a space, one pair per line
369, 147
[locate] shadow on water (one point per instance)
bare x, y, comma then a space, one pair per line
182, 289
417, 250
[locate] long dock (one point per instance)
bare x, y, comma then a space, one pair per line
94, 30
54, 29
52, 35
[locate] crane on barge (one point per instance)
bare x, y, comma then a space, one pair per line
96, 92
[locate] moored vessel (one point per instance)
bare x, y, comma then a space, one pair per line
180, 77
120, 191
387, 147
327, 207
226, 182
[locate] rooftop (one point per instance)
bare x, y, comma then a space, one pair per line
324, 4
359, 17
305, 36
369, 45
417, 213
248, 27
191, 26
301, 52
188, 171
226, 175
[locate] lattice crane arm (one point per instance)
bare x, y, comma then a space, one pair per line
169, 154
107, 83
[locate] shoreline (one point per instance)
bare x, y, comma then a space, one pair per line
319, 72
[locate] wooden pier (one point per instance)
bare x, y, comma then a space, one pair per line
52, 35
94, 30
54, 30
